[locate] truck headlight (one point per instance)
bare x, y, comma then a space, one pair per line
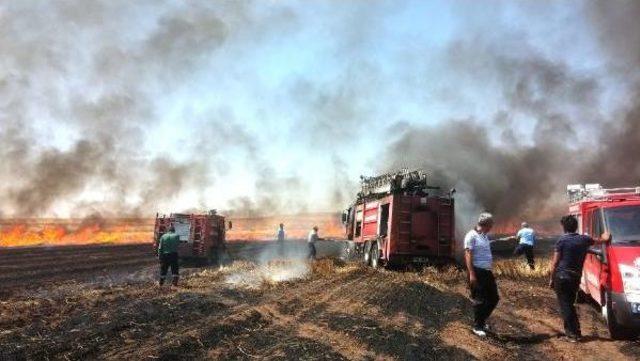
630, 279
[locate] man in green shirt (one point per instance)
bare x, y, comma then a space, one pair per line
168, 255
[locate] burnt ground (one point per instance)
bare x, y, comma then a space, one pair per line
334, 311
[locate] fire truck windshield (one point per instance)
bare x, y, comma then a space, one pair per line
624, 224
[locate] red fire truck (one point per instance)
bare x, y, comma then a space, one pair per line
202, 236
611, 274
398, 219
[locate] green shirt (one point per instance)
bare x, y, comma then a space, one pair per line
168, 243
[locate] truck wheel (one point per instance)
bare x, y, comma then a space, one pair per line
375, 256
616, 331
366, 253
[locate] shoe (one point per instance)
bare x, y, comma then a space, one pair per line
479, 332
574, 338
486, 328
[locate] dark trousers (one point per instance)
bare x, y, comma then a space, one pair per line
528, 252
484, 297
280, 245
312, 250
168, 260
566, 288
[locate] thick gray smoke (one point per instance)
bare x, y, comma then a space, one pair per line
53, 54
99, 70
85, 86
572, 141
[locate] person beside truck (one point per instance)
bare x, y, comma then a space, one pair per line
566, 270
482, 283
168, 255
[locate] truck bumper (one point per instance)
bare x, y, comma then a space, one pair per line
417, 259
627, 313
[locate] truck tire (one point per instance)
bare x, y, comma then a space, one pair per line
366, 253
375, 255
616, 331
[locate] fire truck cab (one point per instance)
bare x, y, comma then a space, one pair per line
398, 219
611, 274
202, 236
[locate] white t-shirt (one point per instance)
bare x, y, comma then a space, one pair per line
313, 236
480, 247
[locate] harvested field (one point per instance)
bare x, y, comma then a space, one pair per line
326, 310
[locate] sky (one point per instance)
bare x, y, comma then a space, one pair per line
262, 107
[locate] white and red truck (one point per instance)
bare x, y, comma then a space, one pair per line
611, 273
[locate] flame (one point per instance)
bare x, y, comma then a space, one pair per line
65, 232
296, 227
510, 228
58, 232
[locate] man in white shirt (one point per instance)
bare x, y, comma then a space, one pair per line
526, 239
311, 241
479, 260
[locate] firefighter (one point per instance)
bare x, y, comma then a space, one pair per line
478, 259
168, 255
311, 242
526, 238
280, 240
566, 270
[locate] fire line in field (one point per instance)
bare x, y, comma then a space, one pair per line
58, 232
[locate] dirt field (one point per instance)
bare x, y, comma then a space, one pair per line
285, 310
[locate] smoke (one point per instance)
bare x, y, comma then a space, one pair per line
520, 174
131, 108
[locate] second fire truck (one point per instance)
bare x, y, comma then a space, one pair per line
398, 219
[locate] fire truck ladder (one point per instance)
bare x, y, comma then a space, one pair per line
577, 192
197, 227
391, 182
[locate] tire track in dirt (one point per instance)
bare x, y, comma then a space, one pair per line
70, 262
212, 332
31, 252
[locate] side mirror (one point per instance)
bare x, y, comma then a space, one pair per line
344, 217
230, 225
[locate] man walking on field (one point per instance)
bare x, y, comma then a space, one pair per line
479, 260
168, 255
280, 240
526, 239
311, 242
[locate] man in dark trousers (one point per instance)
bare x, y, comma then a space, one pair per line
311, 242
280, 241
479, 261
566, 270
168, 254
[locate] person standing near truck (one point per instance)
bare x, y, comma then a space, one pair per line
311, 242
168, 255
526, 238
479, 262
566, 270
280, 240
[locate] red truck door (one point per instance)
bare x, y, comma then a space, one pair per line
417, 226
595, 262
